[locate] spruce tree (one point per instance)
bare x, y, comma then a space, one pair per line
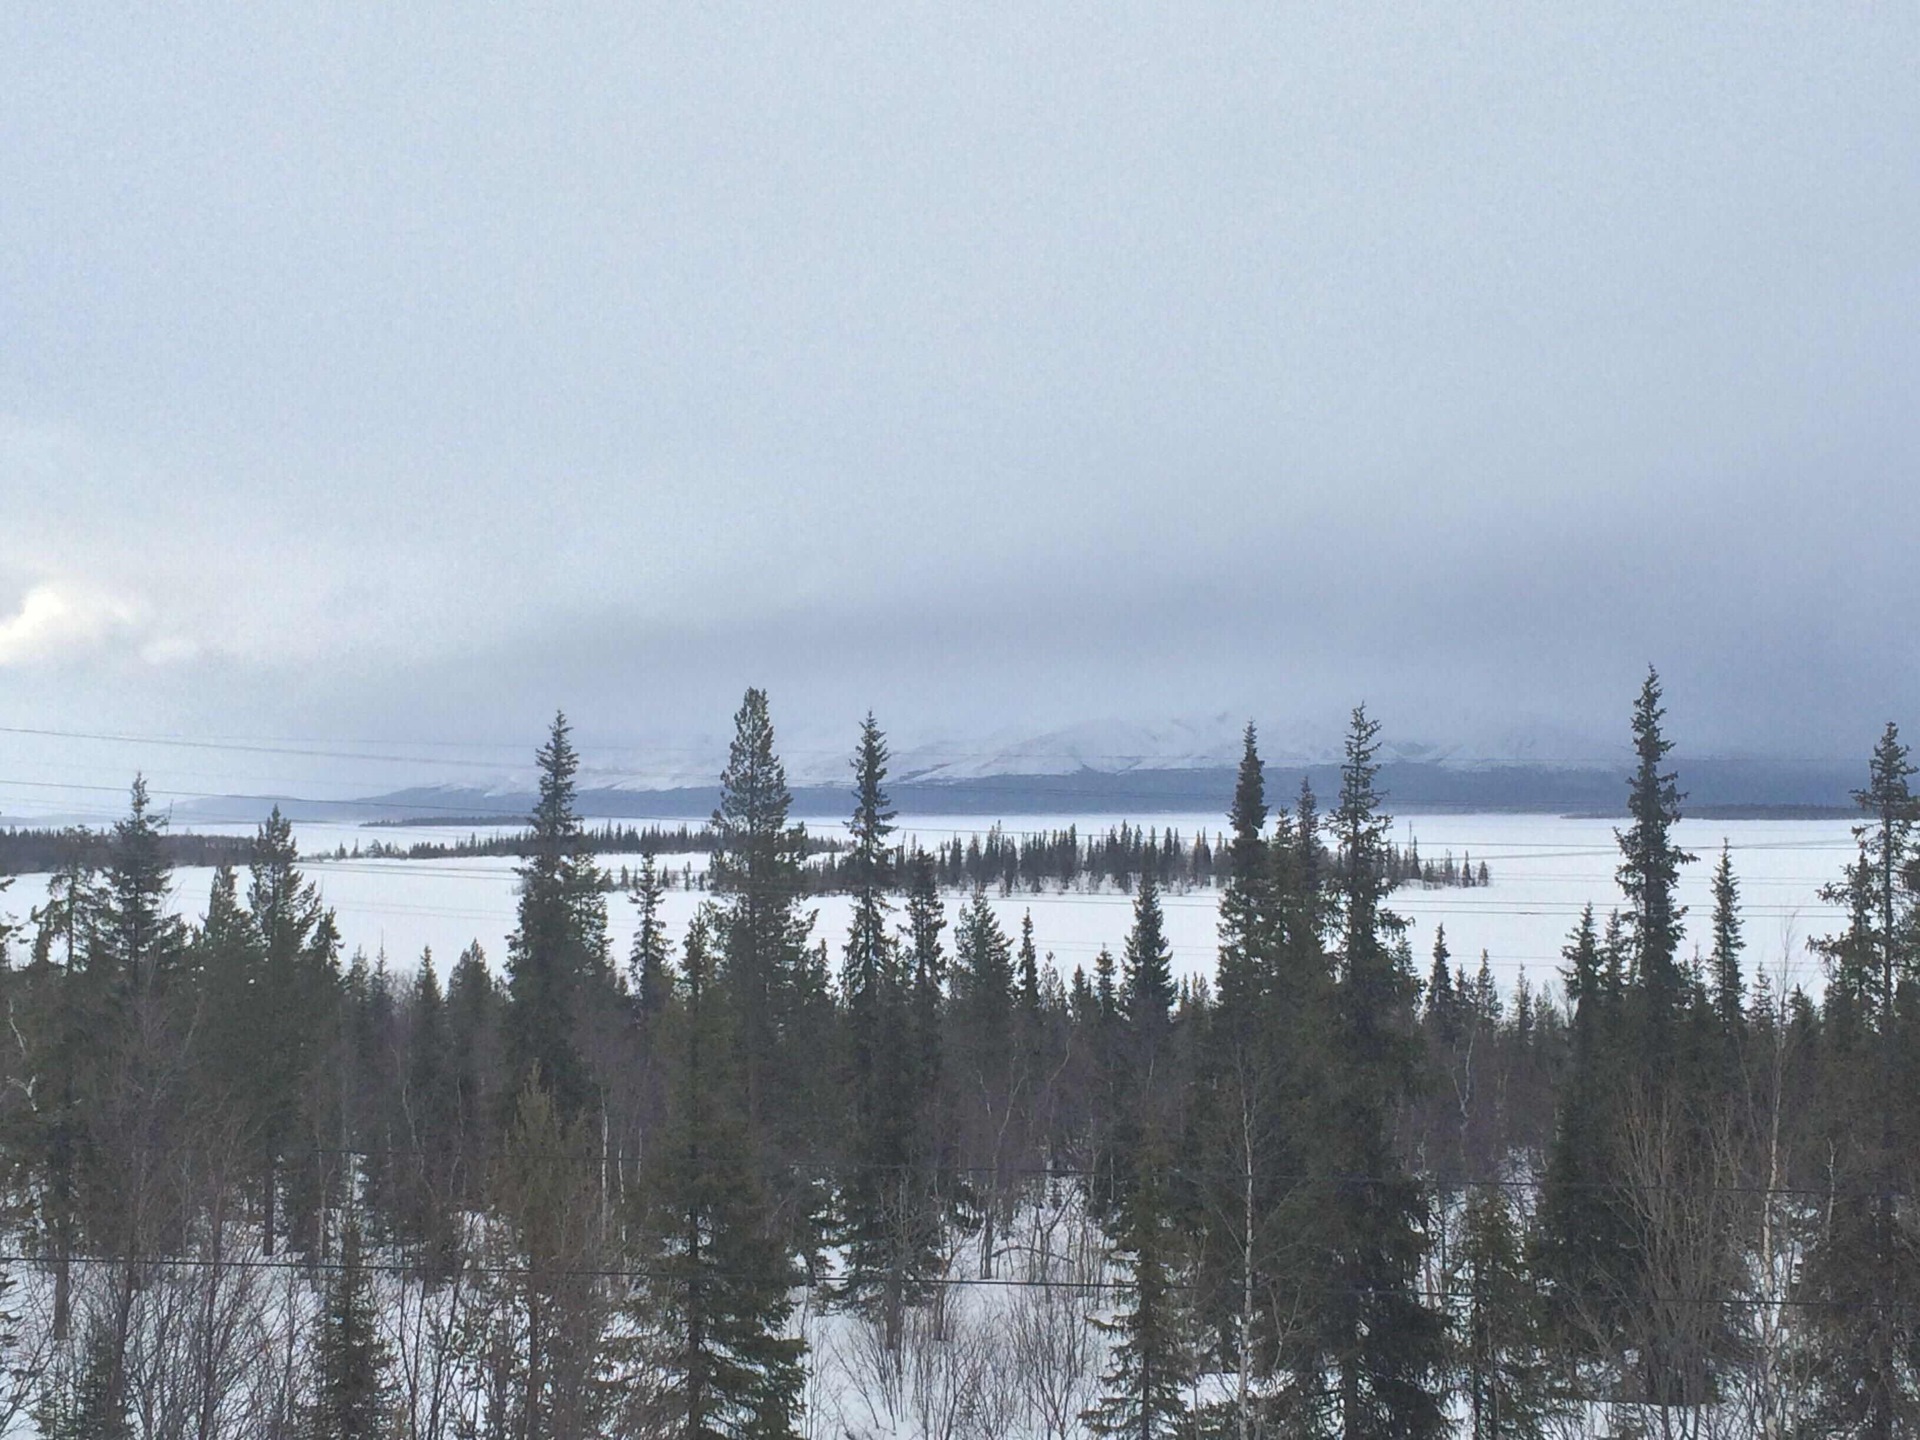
1150, 1364
1585, 1242
649, 963
1729, 988
926, 918
1443, 1004
144, 943
474, 1045
1649, 873
868, 971
1861, 1283
87, 1399
1510, 1394
1144, 1385
1148, 968
1371, 1341
717, 1291
1029, 977
983, 992
431, 1112
547, 1189
757, 869
61, 1007
886, 1219
227, 957
295, 984
557, 955
353, 1398
1246, 912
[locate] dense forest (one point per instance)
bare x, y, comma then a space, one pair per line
26, 850
1058, 860
744, 1186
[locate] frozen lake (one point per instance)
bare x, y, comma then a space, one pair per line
1544, 869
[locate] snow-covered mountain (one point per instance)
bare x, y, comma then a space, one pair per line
1111, 746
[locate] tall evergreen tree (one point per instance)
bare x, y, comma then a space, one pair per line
1150, 1365
557, 955
555, 1268
353, 1396
1029, 975
926, 917
887, 1220
1246, 911
145, 943
1649, 874
295, 984
649, 964
1443, 1004
1372, 1343
430, 1111
983, 990
1510, 1393
869, 970
474, 1045
1729, 988
1585, 1243
1861, 1283
757, 869
1148, 967
718, 1283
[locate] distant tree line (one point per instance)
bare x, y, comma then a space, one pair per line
1003, 860
608, 839
1064, 859
30, 851
740, 1185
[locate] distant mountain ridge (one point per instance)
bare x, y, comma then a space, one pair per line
1714, 787
1119, 767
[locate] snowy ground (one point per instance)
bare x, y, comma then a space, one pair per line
1544, 869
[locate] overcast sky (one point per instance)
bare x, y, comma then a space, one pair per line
402, 375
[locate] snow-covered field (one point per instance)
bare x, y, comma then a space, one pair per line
1544, 869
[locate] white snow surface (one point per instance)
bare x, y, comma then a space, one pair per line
1544, 869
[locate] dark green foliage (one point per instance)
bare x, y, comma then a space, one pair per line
557, 957
1729, 989
283, 1008
1509, 1383
1585, 1240
353, 1398
888, 1223
1029, 973
1649, 871
1443, 1002
556, 1273
1370, 1352
1144, 1391
1148, 969
1297, 1170
983, 988
143, 943
718, 1280
425, 1168
647, 966
760, 929
1862, 1279
926, 918
1246, 908
474, 1006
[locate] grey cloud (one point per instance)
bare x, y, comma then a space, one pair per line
411, 374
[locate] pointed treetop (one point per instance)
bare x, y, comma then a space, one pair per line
1248, 817
1149, 963
554, 820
